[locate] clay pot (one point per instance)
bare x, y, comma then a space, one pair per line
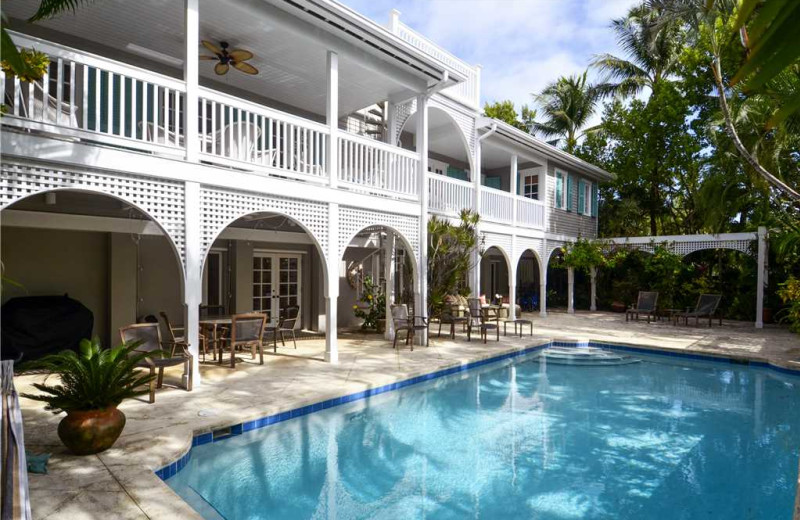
617, 307
91, 431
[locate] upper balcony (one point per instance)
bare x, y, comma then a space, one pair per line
118, 77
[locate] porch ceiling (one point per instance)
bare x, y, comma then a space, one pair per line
289, 53
496, 156
444, 136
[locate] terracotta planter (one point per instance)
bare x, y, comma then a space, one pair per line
617, 307
91, 431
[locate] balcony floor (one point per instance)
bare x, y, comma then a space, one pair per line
121, 480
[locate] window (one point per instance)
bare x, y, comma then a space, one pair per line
559, 190
530, 186
587, 197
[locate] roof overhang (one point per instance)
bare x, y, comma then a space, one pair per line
370, 37
517, 137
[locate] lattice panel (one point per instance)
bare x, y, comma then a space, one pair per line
465, 123
219, 208
552, 245
502, 242
162, 200
353, 220
524, 244
686, 248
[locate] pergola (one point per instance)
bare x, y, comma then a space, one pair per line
686, 244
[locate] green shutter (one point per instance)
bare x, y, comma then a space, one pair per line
559, 189
581, 197
594, 199
569, 192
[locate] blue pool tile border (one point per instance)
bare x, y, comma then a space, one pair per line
174, 467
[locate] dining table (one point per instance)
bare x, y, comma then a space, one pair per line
218, 325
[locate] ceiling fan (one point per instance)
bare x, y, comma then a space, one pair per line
226, 58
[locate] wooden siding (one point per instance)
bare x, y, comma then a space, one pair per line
565, 222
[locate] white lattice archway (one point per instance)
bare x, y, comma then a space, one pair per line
353, 220
162, 201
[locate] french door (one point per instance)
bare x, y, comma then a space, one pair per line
276, 283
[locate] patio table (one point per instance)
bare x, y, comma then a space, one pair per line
219, 322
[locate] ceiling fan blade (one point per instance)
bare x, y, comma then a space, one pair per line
210, 46
245, 67
240, 54
221, 69
202, 57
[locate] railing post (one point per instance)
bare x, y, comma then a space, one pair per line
478, 69
514, 189
191, 79
332, 117
422, 149
394, 21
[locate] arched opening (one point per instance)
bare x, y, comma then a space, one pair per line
448, 152
101, 251
266, 262
528, 281
495, 275
557, 280
378, 268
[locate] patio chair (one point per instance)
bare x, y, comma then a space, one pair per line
707, 305
402, 321
247, 330
149, 336
482, 319
287, 324
451, 314
177, 336
645, 304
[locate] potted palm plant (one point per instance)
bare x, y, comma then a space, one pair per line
93, 382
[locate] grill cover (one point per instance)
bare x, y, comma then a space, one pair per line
33, 326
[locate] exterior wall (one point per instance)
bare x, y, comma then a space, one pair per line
348, 296
561, 221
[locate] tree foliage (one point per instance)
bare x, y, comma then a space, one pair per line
506, 111
453, 250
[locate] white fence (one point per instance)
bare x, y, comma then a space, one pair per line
467, 92
238, 131
376, 167
449, 196
530, 213
86, 95
497, 205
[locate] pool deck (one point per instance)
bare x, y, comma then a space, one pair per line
122, 479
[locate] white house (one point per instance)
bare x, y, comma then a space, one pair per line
138, 179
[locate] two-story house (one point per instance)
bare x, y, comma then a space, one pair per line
210, 157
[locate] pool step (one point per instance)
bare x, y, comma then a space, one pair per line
584, 356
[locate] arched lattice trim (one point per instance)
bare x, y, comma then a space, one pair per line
353, 220
161, 200
683, 248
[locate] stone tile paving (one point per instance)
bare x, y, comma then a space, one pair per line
120, 482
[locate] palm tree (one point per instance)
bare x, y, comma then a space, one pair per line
653, 54
567, 105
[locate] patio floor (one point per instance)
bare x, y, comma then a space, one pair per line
121, 480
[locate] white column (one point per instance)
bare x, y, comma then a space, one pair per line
512, 284
543, 280
421, 298
593, 276
388, 257
332, 118
513, 186
391, 123
571, 290
476, 178
193, 286
332, 285
191, 77
761, 276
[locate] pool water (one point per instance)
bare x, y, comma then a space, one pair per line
661, 439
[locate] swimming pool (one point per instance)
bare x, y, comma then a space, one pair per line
665, 438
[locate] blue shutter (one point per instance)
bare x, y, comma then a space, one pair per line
569, 192
559, 189
594, 199
581, 197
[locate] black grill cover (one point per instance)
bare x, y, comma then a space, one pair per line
33, 326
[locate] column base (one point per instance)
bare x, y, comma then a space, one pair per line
332, 358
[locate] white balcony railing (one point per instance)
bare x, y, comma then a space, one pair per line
376, 167
497, 205
449, 196
234, 131
87, 96
530, 213
467, 92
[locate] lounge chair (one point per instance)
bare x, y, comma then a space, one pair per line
149, 336
707, 305
410, 324
482, 319
247, 330
645, 304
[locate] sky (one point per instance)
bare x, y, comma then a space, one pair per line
522, 44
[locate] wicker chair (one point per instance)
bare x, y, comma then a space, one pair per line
149, 337
247, 330
482, 319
